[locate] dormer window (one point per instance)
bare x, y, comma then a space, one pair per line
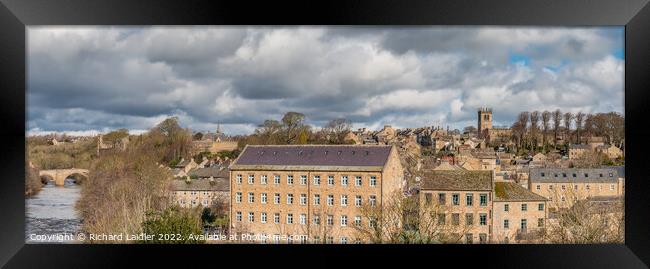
601, 175
563, 174
542, 174
586, 175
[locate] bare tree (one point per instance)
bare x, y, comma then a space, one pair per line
568, 117
293, 126
336, 130
534, 128
546, 117
557, 119
579, 121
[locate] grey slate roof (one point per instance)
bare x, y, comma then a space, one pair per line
215, 171
568, 175
313, 155
457, 180
219, 184
510, 191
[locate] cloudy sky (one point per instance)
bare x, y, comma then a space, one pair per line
95, 79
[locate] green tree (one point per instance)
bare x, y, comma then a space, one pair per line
173, 221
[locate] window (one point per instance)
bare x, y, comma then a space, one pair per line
238, 216
586, 175
373, 181
372, 222
330, 220
442, 198
303, 219
316, 180
455, 219
455, 199
563, 199
506, 207
251, 217
289, 198
542, 174
357, 221
357, 181
540, 207
344, 180
303, 199
469, 219
303, 180
290, 218
263, 180
317, 199
239, 177
482, 238
344, 200
563, 187
238, 197
330, 180
538, 187
523, 225
357, 200
575, 187
372, 200
611, 187
427, 198
344, 220
469, 238
550, 187
540, 222
277, 198
344, 240
276, 180
524, 207
330, 200
587, 187
482, 219
483, 199
316, 220
469, 199
574, 175
506, 224
251, 198
263, 198
263, 217
251, 179
289, 180
330, 240
303, 239
563, 174
441, 219
276, 218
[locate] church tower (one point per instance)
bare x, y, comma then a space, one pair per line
484, 121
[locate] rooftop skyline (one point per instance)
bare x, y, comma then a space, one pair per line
94, 79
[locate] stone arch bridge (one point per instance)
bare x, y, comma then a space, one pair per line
59, 175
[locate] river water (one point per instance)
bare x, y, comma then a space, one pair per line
51, 216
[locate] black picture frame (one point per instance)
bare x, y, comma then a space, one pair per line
15, 15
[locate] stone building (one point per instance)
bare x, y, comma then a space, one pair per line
519, 214
577, 151
310, 193
200, 192
466, 201
611, 151
564, 186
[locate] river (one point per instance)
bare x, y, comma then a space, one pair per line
50, 214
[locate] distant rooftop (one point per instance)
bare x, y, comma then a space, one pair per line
219, 184
457, 180
510, 191
569, 175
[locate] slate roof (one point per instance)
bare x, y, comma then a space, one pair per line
312, 156
219, 184
215, 171
620, 170
457, 180
510, 191
568, 175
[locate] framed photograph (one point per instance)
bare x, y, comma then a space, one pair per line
430, 130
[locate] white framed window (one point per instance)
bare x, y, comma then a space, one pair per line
276, 179
276, 198
303, 198
344, 240
205, 193
563, 187
238, 216
193, 202
251, 198
276, 238
524, 207
251, 179
303, 219
344, 200
330, 220
316, 180
263, 198
344, 180
540, 207
239, 179
316, 220
303, 180
316, 199
373, 181
193, 193
290, 218
263, 217
330, 180
358, 200
482, 219
251, 217
372, 200
276, 218
330, 200
357, 221
329, 240
506, 224
238, 197
506, 207
357, 181
263, 179
587, 187
289, 179
289, 198
204, 202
